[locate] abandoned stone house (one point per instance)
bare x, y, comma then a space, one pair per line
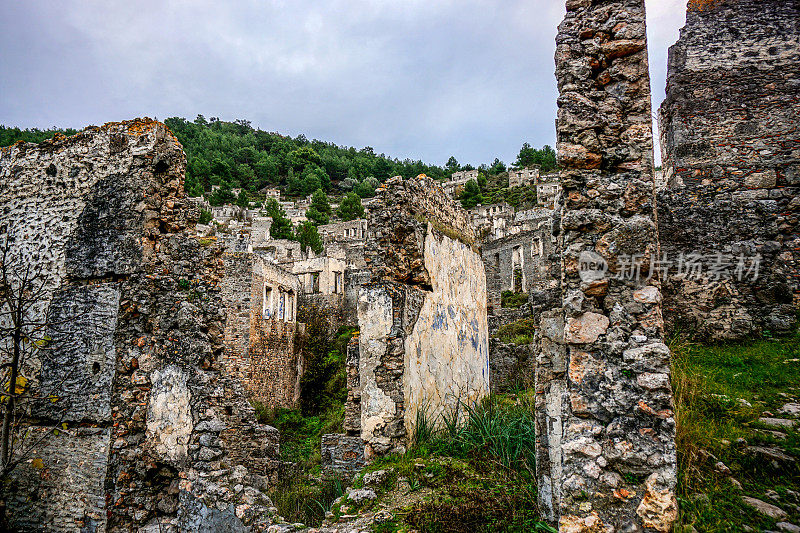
351, 231
423, 340
455, 184
150, 414
261, 301
729, 142
523, 177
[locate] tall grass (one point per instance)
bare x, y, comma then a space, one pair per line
498, 430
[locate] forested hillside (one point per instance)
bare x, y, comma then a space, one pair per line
235, 155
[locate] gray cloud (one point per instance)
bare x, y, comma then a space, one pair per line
420, 79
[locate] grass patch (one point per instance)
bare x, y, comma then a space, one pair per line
513, 300
477, 464
518, 332
720, 392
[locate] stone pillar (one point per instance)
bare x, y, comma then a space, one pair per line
610, 429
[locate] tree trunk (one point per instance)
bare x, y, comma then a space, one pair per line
8, 414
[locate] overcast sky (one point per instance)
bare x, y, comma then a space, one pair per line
423, 79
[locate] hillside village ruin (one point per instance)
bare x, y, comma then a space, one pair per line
181, 324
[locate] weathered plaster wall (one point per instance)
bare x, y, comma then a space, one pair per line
423, 327
731, 158
104, 213
447, 351
605, 405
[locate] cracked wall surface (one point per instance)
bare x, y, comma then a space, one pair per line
158, 436
729, 130
606, 448
423, 344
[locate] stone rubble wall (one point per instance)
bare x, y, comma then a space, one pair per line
606, 427
423, 344
342, 456
729, 130
260, 351
174, 441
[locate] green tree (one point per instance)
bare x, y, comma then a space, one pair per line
452, 165
243, 200
497, 167
320, 210
308, 237
350, 208
205, 215
526, 156
366, 189
471, 195
281, 226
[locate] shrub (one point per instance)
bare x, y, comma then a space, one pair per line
513, 300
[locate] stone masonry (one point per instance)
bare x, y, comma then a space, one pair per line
423, 343
158, 436
606, 441
260, 349
731, 152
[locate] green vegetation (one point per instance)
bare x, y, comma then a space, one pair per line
9, 136
519, 332
320, 210
281, 227
301, 496
308, 237
205, 216
350, 208
513, 300
544, 158
720, 394
235, 153
472, 471
471, 195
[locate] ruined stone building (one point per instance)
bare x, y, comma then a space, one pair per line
728, 219
262, 300
523, 177
455, 184
156, 434
521, 261
423, 341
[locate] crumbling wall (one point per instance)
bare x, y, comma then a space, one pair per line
606, 441
728, 220
103, 213
423, 330
260, 348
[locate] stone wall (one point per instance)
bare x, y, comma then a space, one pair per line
342, 456
104, 215
262, 301
423, 342
606, 441
732, 163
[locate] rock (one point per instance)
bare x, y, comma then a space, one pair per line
647, 295
791, 409
772, 495
376, 478
658, 508
586, 328
764, 508
786, 526
735, 483
358, 496
777, 422
722, 468
771, 454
